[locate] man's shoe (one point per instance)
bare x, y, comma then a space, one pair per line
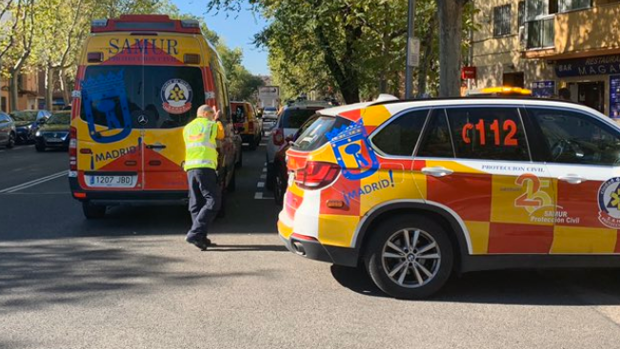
209, 243
198, 241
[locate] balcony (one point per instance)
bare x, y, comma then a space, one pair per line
593, 31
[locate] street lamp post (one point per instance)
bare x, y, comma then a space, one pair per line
409, 69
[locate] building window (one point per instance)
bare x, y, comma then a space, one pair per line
501, 20
3, 105
535, 9
521, 13
541, 33
572, 5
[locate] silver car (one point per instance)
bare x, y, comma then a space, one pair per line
7, 131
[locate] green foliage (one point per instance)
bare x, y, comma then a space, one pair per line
356, 48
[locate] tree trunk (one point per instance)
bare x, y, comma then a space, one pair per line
64, 87
427, 43
49, 87
450, 36
14, 90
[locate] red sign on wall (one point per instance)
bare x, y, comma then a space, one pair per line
468, 73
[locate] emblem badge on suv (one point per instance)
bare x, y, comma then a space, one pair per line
142, 120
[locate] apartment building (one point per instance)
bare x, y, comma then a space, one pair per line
29, 95
546, 45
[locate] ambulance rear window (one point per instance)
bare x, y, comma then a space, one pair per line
313, 134
138, 96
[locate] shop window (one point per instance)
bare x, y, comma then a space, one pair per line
3, 105
501, 20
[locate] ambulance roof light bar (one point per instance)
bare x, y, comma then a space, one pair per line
145, 23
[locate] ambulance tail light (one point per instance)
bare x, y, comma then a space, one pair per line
251, 126
73, 149
316, 175
278, 136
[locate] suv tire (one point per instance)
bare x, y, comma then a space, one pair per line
93, 211
417, 265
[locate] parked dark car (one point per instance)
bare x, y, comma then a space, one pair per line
7, 131
279, 163
27, 123
54, 133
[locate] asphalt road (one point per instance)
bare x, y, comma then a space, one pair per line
130, 281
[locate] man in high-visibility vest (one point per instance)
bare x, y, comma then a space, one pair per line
200, 138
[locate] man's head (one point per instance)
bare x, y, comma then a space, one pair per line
206, 112
564, 94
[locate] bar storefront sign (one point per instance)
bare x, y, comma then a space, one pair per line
588, 66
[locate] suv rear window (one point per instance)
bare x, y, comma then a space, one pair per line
294, 118
144, 90
313, 134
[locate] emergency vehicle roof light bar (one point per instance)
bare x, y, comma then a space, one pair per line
190, 23
99, 23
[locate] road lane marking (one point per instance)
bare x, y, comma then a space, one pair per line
263, 176
260, 184
33, 183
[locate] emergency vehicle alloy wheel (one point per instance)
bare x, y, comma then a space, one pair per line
409, 257
239, 162
93, 211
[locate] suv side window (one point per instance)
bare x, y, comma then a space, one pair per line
400, 136
494, 133
436, 142
576, 138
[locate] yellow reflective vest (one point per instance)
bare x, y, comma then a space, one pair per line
200, 144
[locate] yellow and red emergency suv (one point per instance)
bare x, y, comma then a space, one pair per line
419, 189
247, 123
140, 80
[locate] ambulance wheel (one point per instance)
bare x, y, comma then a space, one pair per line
270, 181
409, 257
254, 143
232, 185
93, 211
239, 162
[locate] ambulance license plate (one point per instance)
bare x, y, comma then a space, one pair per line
99, 181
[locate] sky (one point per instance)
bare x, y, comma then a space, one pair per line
236, 29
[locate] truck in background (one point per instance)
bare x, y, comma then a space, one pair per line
269, 96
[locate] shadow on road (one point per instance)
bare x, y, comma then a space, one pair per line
39, 275
521, 287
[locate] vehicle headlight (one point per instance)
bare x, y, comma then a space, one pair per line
38, 134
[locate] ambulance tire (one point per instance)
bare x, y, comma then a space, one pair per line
232, 185
239, 162
93, 211
221, 212
254, 143
270, 180
389, 230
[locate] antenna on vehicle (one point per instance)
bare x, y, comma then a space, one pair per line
384, 97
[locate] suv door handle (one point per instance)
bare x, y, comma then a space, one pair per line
437, 171
572, 179
155, 146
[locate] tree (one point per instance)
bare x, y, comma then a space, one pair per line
450, 14
19, 52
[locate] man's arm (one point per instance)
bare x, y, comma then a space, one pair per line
221, 134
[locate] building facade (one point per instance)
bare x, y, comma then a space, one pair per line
545, 45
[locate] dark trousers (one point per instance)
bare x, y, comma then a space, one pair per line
204, 199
